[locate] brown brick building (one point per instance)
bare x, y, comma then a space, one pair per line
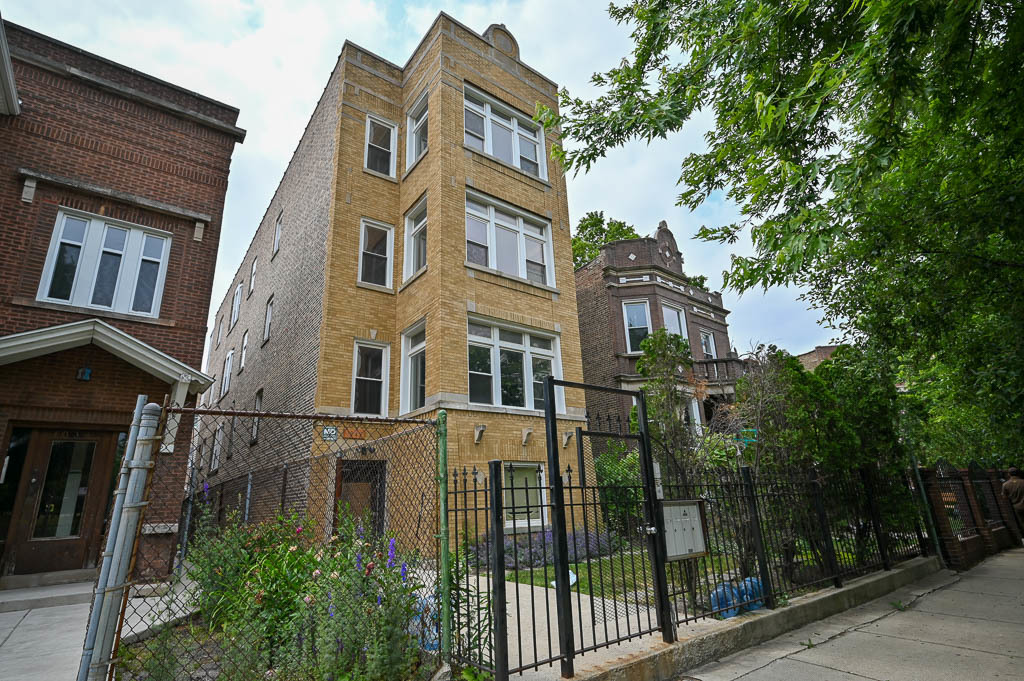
633, 287
416, 255
111, 192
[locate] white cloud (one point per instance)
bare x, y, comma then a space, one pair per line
271, 59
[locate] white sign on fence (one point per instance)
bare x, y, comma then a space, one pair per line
685, 529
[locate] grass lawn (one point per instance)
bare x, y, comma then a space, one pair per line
606, 577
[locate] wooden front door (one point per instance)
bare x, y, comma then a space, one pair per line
58, 511
359, 488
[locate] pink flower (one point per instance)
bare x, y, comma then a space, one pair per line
298, 530
316, 573
308, 599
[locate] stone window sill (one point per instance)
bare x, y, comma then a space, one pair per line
30, 302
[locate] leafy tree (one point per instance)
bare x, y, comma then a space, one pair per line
875, 151
592, 232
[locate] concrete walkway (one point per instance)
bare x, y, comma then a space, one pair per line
42, 644
947, 627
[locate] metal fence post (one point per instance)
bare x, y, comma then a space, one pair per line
656, 525
127, 535
826, 529
498, 601
559, 542
445, 548
755, 526
876, 517
929, 514
108, 551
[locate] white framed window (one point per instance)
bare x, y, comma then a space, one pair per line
220, 331
277, 232
236, 306
218, 447
245, 348
415, 239
106, 264
370, 379
507, 239
414, 368
252, 276
380, 146
376, 245
637, 317
675, 319
267, 317
692, 416
416, 138
497, 129
707, 344
225, 379
508, 365
525, 496
257, 406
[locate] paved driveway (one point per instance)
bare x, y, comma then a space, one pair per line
970, 628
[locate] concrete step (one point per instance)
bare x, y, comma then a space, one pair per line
33, 597
47, 578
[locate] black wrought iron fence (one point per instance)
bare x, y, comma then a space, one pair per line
306, 548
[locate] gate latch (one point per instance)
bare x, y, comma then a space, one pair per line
651, 529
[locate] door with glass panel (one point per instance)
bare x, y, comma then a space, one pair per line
57, 514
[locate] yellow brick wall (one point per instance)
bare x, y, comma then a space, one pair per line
446, 58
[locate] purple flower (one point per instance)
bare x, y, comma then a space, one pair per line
391, 553
405, 572
330, 610
206, 490
359, 561
378, 599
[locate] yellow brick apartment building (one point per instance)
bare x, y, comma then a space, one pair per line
415, 257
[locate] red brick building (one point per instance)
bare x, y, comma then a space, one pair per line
633, 287
112, 188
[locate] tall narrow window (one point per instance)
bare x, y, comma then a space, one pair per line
149, 272
380, 146
114, 241
252, 276
277, 232
220, 331
375, 254
268, 315
522, 242
638, 324
675, 320
416, 239
496, 129
508, 366
245, 348
415, 369
236, 306
69, 250
218, 446
707, 344
417, 127
225, 379
257, 406
369, 390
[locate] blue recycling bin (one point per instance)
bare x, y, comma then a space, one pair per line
723, 599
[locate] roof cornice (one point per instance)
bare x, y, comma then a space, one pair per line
9, 104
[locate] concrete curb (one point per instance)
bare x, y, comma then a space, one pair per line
38, 597
753, 628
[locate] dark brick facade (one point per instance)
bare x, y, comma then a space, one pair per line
103, 138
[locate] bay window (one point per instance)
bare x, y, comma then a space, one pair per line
638, 323
497, 129
369, 383
707, 344
414, 369
375, 253
507, 366
106, 264
380, 146
415, 239
675, 320
512, 241
417, 132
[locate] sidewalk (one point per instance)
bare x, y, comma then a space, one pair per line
42, 644
948, 627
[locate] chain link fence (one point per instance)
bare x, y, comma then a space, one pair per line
306, 547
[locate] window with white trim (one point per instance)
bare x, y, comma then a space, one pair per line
508, 365
380, 146
504, 238
267, 317
218, 446
220, 331
225, 379
707, 344
277, 232
637, 318
252, 276
525, 495
414, 369
245, 347
675, 319
417, 131
497, 129
375, 249
416, 239
369, 380
105, 264
257, 406
236, 306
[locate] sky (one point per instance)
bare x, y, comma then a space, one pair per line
271, 59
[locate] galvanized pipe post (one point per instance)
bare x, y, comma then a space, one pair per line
127, 532
446, 557
498, 600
